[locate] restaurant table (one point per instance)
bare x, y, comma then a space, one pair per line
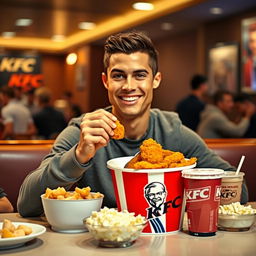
175, 244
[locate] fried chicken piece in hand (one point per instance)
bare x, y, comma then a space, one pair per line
118, 131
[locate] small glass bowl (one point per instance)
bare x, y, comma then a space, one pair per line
233, 222
115, 236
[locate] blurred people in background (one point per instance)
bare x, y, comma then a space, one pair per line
17, 120
250, 65
75, 110
215, 122
242, 103
30, 101
48, 120
19, 95
5, 204
189, 109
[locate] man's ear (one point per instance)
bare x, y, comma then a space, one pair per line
104, 79
157, 80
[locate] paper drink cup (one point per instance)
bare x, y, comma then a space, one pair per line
231, 187
156, 194
202, 193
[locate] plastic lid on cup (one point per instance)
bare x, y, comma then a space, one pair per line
203, 173
229, 174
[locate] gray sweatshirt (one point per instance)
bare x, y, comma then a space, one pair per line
60, 167
215, 124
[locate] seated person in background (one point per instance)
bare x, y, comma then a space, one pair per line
75, 110
17, 120
80, 153
5, 204
242, 103
215, 122
48, 120
189, 109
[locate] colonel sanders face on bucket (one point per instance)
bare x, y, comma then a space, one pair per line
155, 193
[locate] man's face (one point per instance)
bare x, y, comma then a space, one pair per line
156, 196
252, 42
227, 103
130, 84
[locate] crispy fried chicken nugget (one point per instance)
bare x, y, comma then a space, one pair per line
7, 224
118, 131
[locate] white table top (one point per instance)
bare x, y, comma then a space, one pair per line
177, 244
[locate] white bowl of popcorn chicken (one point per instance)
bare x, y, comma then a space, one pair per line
66, 210
115, 229
236, 217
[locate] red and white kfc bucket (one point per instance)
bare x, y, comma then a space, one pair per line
156, 194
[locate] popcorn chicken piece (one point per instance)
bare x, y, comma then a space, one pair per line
60, 191
96, 195
27, 230
19, 232
48, 193
118, 131
6, 233
84, 192
7, 224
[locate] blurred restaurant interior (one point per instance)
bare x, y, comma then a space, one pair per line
184, 32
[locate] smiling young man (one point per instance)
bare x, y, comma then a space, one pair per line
81, 151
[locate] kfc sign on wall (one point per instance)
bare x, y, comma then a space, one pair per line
20, 71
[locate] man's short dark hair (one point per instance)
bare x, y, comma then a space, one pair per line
128, 43
219, 95
197, 80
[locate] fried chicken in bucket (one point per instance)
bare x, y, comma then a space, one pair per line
153, 156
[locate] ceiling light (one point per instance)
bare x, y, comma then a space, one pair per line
166, 26
86, 25
8, 34
23, 22
143, 6
71, 58
216, 10
58, 38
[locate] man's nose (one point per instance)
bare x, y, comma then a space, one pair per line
129, 84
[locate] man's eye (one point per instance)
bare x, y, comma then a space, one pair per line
141, 75
117, 76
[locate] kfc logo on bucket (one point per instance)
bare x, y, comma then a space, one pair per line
198, 194
155, 193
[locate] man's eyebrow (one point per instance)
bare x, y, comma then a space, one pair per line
141, 70
117, 70
135, 71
